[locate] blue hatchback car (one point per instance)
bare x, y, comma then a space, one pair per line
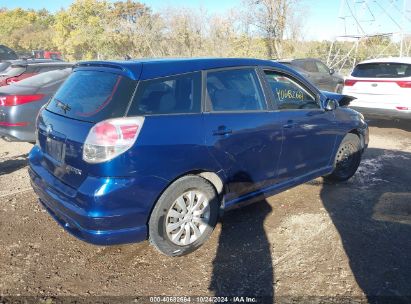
130, 150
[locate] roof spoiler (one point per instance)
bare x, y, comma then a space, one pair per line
125, 68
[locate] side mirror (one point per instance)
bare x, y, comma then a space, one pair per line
331, 104
332, 71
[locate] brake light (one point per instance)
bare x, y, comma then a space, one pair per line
15, 124
110, 138
15, 100
350, 82
404, 84
403, 108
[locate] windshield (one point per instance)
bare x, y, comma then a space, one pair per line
93, 96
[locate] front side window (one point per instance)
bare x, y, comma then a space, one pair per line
288, 94
234, 90
322, 68
170, 95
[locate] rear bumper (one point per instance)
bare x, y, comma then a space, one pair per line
17, 123
382, 113
102, 211
17, 134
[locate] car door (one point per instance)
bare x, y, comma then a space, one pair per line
309, 131
327, 80
241, 134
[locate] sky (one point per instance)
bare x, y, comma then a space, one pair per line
320, 16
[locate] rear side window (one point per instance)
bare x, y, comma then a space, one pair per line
307, 65
382, 70
288, 94
170, 95
234, 90
93, 96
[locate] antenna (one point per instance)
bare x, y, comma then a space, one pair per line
375, 28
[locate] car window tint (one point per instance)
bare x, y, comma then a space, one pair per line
308, 65
234, 90
382, 70
93, 96
171, 95
322, 68
288, 94
32, 69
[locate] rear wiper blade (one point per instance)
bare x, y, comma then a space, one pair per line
65, 107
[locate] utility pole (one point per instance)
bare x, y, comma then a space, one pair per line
361, 22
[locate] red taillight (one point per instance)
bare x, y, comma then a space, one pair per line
105, 133
404, 84
403, 108
349, 82
110, 138
15, 100
15, 124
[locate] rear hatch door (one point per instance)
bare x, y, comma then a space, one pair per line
379, 83
88, 96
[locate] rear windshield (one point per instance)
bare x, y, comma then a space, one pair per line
44, 79
14, 71
382, 70
93, 96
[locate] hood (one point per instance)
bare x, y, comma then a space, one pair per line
343, 100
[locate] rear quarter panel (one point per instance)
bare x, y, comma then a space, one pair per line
170, 146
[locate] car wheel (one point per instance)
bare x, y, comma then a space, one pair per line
347, 159
184, 216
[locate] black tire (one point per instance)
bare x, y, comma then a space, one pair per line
347, 159
158, 235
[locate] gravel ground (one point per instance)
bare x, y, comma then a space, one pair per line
316, 242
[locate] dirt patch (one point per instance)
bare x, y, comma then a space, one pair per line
346, 240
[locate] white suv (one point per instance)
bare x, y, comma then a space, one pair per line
382, 87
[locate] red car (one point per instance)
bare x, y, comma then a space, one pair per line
19, 71
47, 55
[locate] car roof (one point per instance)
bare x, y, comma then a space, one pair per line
153, 68
289, 60
388, 59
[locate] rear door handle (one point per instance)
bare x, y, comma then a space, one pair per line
222, 130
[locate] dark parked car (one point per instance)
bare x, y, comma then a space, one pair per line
20, 103
5, 65
7, 53
318, 73
20, 70
154, 149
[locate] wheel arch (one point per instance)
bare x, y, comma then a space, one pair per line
360, 134
212, 177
